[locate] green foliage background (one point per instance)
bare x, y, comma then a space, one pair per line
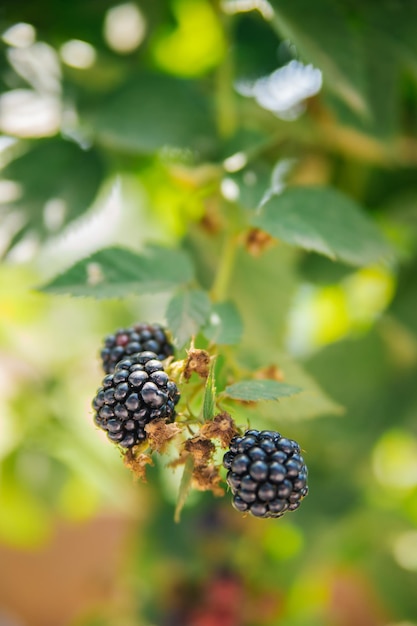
142, 197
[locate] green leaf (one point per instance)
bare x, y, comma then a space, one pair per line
115, 272
361, 51
225, 325
185, 486
186, 314
209, 401
327, 38
152, 112
264, 290
255, 390
58, 181
313, 402
324, 220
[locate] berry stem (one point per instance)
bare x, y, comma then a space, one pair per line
220, 287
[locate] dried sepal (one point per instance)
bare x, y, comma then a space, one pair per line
200, 448
160, 433
207, 478
221, 427
136, 461
270, 372
197, 361
257, 241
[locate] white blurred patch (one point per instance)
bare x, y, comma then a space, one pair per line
283, 92
229, 189
11, 223
124, 28
95, 274
280, 171
6, 142
78, 54
215, 319
25, 250
26, 113
20, 35
242, 6
235, 162
405, 550
38, 65
9, 191
54, 213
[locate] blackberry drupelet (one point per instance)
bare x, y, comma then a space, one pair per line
267, 474
137, 392
137, 338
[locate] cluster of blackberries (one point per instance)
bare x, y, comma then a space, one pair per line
136, 389
267, 474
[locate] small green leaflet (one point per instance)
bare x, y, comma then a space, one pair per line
185, 486
209, 402
255, 390
186, 313
225, 325
326, 221
115, 272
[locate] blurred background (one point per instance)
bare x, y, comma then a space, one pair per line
152, 122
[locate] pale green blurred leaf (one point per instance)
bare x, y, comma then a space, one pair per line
154, 111
185, 486
326, 221
263, 289
115, 272
255, 390
186, 313
58, 181
313, 402
225, 325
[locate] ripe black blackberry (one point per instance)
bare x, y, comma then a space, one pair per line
137, 338
137, 392
267, 474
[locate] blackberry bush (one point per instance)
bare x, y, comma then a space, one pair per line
138, 338
267, 474
137, 392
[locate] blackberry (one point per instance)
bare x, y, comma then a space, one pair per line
137, 392
137, 338
266, 473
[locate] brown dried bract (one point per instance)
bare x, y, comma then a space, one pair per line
271, 372
207, 478
160, 434
200, 448
257, 241
221, 427
137, 462
211, 221
197, 361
